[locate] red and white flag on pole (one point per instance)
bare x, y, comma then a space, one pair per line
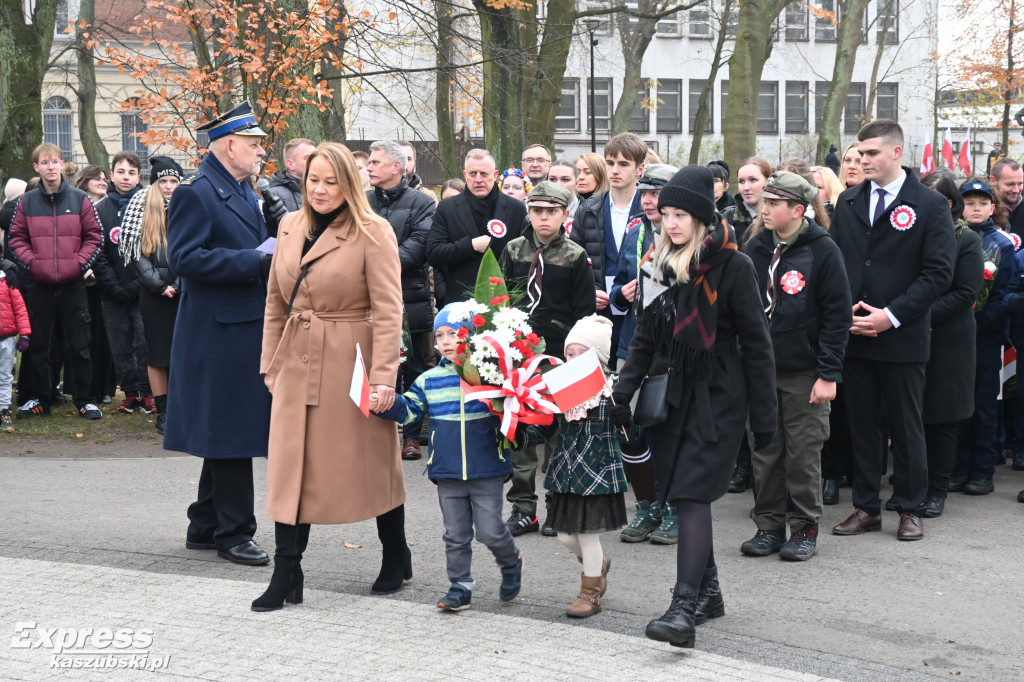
928, 160
577, 381
360, 390
964, 160
947, 150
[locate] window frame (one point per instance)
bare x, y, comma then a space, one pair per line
693, 99
663, 105
644, 93
774, 93
894, 95
798, 7
599, 91
59, 125
854, 120
805, 127
574, 83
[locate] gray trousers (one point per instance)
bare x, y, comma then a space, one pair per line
465, 504
789, 470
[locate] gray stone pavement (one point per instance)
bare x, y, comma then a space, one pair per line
99, 542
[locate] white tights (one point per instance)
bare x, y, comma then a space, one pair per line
586, 546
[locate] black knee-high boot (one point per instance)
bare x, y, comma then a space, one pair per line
286, 582
396, 566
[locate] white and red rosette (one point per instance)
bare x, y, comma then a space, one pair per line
793, 282
524, 394
568, 227
496, 228
1015, 238
115, 235
635, 222
903, 218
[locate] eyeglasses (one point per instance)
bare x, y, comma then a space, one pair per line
528, 161
51, 162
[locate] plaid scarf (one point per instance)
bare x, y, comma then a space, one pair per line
131, 227
684, 320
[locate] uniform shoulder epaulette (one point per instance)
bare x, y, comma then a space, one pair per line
192, 178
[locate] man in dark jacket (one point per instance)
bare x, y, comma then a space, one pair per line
832, 159
119, 288
466, 225
287, 184
410, 213
897, 241
807, 300
1007, 180
218, 407
601, 223
55, 239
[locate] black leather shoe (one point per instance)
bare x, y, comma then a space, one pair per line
890, 504
248, 554
1018, 461
979, 486
932, 507
189, 544
845, 482
742, 479
830, 491
957, 483
1020, 496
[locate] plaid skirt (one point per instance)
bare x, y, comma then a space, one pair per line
577, 514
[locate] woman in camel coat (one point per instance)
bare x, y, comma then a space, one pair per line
327, 462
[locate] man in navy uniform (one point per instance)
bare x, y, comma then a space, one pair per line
218, 407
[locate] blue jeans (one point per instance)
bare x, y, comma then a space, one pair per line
468, 504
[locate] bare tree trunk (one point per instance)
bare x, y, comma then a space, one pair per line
542, 82
445, 59
848, 33
633, 42
24, 58
503, 76
92, 143
879, 51
700, 118
1009, 91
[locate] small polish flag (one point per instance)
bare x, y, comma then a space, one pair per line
577, 381
1009, 364
360, 391
927, 161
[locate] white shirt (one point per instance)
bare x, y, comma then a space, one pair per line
891, 190
620, 217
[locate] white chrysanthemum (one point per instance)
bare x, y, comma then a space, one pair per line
490, 374
481, 349
510, 318
465, 310
504, 336
515, 355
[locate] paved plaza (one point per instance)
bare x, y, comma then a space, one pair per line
92, 538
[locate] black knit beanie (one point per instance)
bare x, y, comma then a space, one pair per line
693, 190
163, 166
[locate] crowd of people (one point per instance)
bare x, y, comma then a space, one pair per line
812, 331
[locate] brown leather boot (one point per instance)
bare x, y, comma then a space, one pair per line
606, 563
588, 601
411, 449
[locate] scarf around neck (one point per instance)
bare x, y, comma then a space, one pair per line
684, 320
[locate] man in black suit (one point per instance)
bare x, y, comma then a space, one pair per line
897, 240
465, 226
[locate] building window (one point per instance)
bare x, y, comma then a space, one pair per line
724, 85
57, 125
796, 21
888, 11
825, 25
768, 108
700, 20
696, 87
670, 106
796, 107
887, 96
854, 110
820, 93
60, 27
669, 26
132, 126
732, 27
568, 115
640, 119
602, 104
605, 27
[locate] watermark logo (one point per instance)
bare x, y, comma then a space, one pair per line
101, 648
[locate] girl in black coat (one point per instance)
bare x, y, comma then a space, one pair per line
144, 244
949, 375
705, 328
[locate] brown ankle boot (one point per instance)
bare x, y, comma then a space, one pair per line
588, 601
606, 563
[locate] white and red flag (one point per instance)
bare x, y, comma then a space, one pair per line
360, 390
928, 160
947, 150
964, 160
577, 381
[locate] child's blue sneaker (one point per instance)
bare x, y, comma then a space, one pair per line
511, 580
457, 599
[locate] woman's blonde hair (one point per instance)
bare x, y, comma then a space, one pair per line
597, 167
355, 207
833, 188
154, 222
678, 259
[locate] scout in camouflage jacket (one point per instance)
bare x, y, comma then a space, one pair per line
567, 284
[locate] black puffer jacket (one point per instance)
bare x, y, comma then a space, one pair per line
588, 231
410, 214
155, 272
288, 189
117, 281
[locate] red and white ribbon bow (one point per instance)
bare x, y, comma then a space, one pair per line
524, 394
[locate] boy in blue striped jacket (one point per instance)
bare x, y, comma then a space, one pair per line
467, 466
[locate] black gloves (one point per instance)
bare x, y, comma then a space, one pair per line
620, 414
763, 439
265, 261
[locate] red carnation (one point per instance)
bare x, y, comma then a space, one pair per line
479, 321
498, 300
495, 280
989, 274
532, 339
460, 349
463, 332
